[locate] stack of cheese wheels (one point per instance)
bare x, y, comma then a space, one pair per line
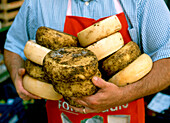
70, 69
36, 81
103, 38
123, 64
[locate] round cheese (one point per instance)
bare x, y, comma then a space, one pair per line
70, 64
53, 39
39, 88
76, 89
99, 30
35, 52
36, 71
134, 71
120, 59
107, 46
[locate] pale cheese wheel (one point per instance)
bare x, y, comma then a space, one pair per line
41, 89
99, 30
35, 52
134, 71
107, 46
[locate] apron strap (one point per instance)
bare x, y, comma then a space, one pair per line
69, 13
117, 5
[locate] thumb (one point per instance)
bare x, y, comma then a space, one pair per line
21, 71
99, 82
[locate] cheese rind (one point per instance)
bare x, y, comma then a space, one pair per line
70, 64
35, 52
107, 46
54, 39
36, 71
99, 30
39, 88
120, 59
134, 71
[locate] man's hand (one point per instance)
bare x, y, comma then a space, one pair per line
25, 95
108, 96
15, 66
111, 95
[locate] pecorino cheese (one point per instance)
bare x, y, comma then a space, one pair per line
40, 88
36, 71
53, 39
107, 46
35, 52
99, 30
120, 59
134, 71
70, 64
76, 89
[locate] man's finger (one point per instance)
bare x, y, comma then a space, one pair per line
21, 71
80, 101
99, 82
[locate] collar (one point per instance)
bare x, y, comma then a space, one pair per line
84, 0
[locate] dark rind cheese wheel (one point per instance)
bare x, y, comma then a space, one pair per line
120, 59
36, 71
76, 89
54, 39
70, 64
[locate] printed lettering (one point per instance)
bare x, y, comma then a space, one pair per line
115, 109
125, 106
59, 103
65, 104
106, 110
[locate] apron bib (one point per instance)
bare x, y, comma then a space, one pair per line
60, 112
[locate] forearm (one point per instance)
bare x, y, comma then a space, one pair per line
157, 80
13, 62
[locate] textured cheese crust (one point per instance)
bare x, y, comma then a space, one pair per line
39, 88
107, 46
53, 39
35, 52
120, 59
70, 64
99, 30
76, 89
36, 71
134, 71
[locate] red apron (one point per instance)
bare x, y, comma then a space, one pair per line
60, 112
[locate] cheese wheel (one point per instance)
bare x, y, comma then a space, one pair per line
134, 71
39, 88
76, 89
99, 30
36, 71
35, 52
120, 59
54, 39
107, 46
70, 64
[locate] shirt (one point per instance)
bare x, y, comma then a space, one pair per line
148, 20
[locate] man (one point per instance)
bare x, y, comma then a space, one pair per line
148, 26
